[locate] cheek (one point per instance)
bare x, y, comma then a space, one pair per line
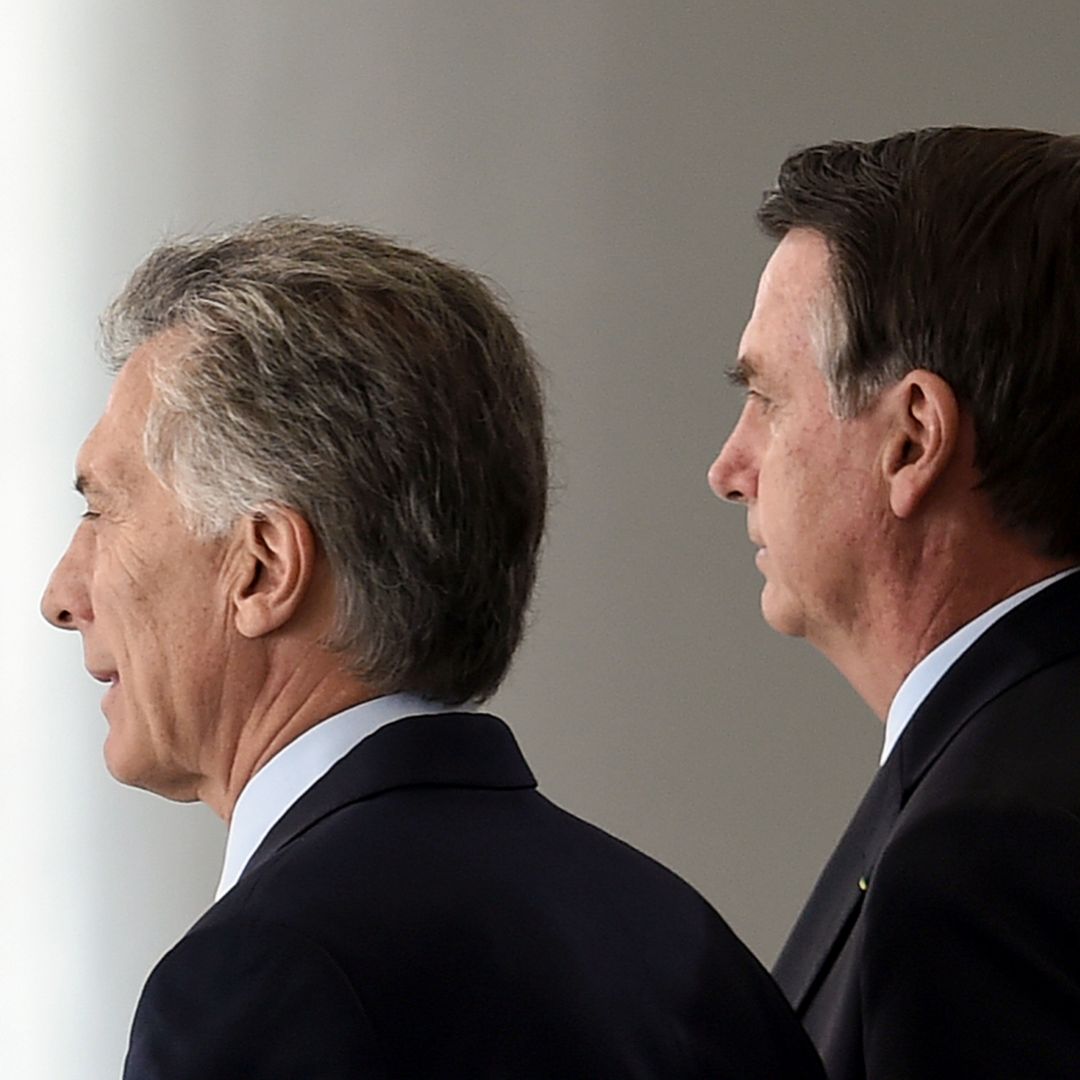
138, 620
120, 580
801, 511
788, 491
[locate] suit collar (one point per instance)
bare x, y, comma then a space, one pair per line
1039, 632
930, 669
298, 765
449, 750
1034, 635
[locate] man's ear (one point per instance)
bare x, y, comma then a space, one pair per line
922, 439
275, 552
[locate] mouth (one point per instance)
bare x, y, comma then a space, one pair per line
109, 677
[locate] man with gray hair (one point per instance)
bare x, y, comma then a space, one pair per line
314, 504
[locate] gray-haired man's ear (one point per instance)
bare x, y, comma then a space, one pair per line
275, 555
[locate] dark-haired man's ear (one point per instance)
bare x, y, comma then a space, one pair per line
922, 441
275, 553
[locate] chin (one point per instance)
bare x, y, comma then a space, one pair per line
781, 612
123, 761
133, 767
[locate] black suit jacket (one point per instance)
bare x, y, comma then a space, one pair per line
422, 912
943, 937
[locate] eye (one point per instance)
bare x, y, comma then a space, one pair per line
765, 403
89, 515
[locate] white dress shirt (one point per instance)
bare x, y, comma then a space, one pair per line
926, 674
296, 767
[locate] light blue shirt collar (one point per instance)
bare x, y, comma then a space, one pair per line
926, 674
297, 766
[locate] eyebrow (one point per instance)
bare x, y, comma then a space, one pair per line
84, 484
741, 372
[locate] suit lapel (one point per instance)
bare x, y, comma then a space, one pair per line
1037, 633
446, 750
834, 904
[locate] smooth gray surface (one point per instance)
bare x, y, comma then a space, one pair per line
602, 161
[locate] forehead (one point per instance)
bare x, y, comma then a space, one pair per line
113, 451
794, 286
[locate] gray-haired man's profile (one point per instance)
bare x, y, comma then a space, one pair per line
909, 459
314, 504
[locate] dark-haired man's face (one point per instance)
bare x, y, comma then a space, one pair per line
809, 482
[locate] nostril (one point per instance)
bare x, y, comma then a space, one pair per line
63, 618
64, 602
722, 480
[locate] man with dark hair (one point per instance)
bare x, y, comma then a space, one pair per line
314, 503
909, 458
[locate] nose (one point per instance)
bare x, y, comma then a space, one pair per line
66, 602
733, 475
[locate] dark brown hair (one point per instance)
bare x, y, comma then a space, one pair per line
957, 250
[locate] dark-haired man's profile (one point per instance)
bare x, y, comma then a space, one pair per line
908, 456
314, 504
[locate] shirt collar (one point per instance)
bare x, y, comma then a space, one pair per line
297, 766
926, 674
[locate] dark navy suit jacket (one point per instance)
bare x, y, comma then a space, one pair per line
943, 937
423, 912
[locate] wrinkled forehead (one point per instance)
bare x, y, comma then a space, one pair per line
113, 451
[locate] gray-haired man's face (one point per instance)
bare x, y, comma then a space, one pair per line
148, 598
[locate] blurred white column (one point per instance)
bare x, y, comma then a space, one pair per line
73, 846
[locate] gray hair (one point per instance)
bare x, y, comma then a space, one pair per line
851, 391
828, 337
381, 392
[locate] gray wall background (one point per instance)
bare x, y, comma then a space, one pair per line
600, 159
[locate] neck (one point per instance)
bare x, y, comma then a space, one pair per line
910, 614
289, 700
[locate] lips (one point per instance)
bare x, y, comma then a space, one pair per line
111, 679
761, 548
